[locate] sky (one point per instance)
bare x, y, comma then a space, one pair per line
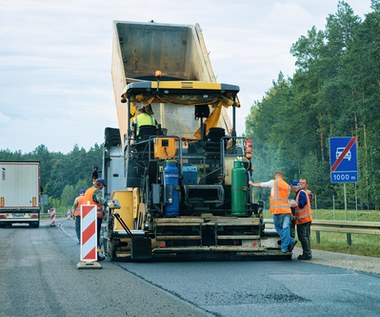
55, 58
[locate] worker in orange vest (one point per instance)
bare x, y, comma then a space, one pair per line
303, 216
79, 201
94, 196
304, 184
279, 207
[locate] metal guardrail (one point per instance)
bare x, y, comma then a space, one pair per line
347, 227
47, 216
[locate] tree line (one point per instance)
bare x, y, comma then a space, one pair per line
335, 91
62, 175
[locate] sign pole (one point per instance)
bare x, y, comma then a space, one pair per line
316, 204
345, 200
333, 197
356, 202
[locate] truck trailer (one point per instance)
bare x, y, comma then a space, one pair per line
20, 193
179, 187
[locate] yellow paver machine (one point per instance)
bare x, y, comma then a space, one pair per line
179, 185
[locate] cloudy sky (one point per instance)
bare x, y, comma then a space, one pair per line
55, 58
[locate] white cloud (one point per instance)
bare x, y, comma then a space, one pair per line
55, 57
4, 119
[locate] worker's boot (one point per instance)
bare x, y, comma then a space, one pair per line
304, 257
101, 257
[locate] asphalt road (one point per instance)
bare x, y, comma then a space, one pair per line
38, 277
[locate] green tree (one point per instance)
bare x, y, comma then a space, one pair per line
68, 195
62, 175
334, 92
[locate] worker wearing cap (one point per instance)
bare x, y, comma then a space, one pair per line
79, 201
145, 117
279, 207
303, 215
94, 196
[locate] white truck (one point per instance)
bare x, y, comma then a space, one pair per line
20, 193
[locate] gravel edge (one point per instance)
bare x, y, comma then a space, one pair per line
347, 261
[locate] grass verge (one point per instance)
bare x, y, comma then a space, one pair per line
368, 245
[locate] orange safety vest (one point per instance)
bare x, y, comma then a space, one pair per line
279, 203
81, 201
303, 215
88, 199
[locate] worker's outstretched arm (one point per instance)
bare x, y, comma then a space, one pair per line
98, 197
254, 184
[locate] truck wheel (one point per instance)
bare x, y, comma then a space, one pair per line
35, 225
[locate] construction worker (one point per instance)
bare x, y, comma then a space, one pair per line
304, 184
145, 117
303, 215
279, 207
79, 201
94, 196
292, 221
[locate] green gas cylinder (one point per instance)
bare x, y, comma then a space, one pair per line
239, 190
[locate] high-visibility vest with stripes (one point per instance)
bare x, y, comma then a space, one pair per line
81, 201
88, 199
279, 203
144, 119
304, 214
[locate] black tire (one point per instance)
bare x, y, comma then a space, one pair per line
35, 225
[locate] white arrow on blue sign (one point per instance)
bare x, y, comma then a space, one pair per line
343, 160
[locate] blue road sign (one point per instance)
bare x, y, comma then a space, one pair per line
343, 160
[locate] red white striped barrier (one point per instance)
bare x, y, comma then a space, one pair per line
88, 249
52, 217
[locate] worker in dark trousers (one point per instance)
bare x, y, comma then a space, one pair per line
279, 207
303, 216
78, 202
293, 223
293, 216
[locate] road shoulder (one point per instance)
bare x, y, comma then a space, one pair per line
342, 260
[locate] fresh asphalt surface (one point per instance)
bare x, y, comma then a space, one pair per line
38, 277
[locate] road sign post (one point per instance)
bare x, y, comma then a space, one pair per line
343, 163
343, 160
345, 200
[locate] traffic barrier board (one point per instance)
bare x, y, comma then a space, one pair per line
88, 240
52, 217
343, 160
88, 250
